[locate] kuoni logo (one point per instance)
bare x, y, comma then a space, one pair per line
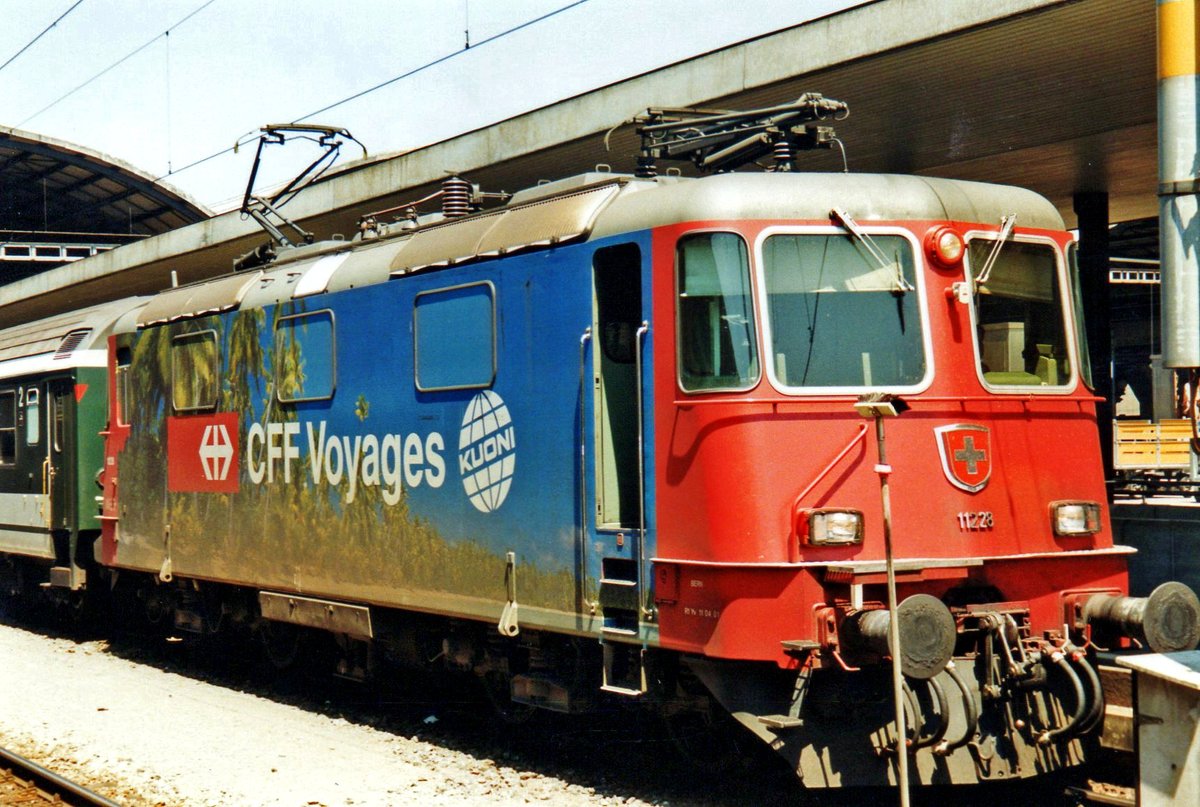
202, 453
487, 451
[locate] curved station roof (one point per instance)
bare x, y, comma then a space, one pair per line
60, 202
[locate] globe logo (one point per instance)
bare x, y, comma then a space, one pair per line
487, 451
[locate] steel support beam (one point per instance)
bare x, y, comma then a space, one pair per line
1092, 210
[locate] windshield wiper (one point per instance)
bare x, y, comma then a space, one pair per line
852, 226
1006, 228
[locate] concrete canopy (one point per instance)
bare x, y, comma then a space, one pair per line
1054, 95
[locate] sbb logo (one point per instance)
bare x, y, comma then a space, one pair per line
487, 451
202, 453
216, 452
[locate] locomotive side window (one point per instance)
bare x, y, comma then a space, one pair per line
194, 381
33, 416
718, 345
305, 357
454, 330
839, 317
121, 385
8, 427
1019, 315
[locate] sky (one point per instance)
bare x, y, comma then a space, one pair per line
161, 84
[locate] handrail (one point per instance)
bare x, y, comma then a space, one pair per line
862, 431
641, 446
583, 508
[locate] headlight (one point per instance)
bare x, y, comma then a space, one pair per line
1075, 518
830, 527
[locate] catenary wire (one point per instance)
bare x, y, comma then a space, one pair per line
45, 31
120, 61
390, 81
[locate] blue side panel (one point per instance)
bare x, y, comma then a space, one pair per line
384, 492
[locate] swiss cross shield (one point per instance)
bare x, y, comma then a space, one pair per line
966, 451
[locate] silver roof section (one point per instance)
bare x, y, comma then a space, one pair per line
541, 223
61, 340
810, 197
197, 300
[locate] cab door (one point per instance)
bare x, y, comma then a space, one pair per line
617, 476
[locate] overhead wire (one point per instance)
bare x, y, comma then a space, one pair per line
118, 62
45, 31
441, 59
391, 81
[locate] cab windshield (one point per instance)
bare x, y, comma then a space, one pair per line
838, 315
1019, 316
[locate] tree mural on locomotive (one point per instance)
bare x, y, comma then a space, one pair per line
308, 534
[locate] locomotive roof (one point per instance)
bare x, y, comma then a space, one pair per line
600, 205
810, 196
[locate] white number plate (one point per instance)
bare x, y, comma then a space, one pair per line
976, 520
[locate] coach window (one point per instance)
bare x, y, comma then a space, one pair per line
33, 419
8, 427
58, 421
838, 316
455, 334
1020, 314
305, 357
718, 347
194, 381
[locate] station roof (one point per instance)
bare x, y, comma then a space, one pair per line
48, 184
1054, 95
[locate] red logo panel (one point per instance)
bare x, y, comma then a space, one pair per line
202, 453
966, 451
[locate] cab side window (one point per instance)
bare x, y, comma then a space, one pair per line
718, 347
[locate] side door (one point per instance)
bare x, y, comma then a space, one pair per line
25, 517
59, 463
617, 474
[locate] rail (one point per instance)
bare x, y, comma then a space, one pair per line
36, 782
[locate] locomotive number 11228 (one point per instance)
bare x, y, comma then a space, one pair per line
976, 520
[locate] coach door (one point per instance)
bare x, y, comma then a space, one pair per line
618, 334
58, 469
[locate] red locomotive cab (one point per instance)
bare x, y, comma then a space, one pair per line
782, 329
790, 337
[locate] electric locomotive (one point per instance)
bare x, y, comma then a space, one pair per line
654, 439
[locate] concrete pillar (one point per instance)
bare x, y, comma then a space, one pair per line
1091, 208
1178, 171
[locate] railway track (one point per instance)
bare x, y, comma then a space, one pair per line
23, 782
